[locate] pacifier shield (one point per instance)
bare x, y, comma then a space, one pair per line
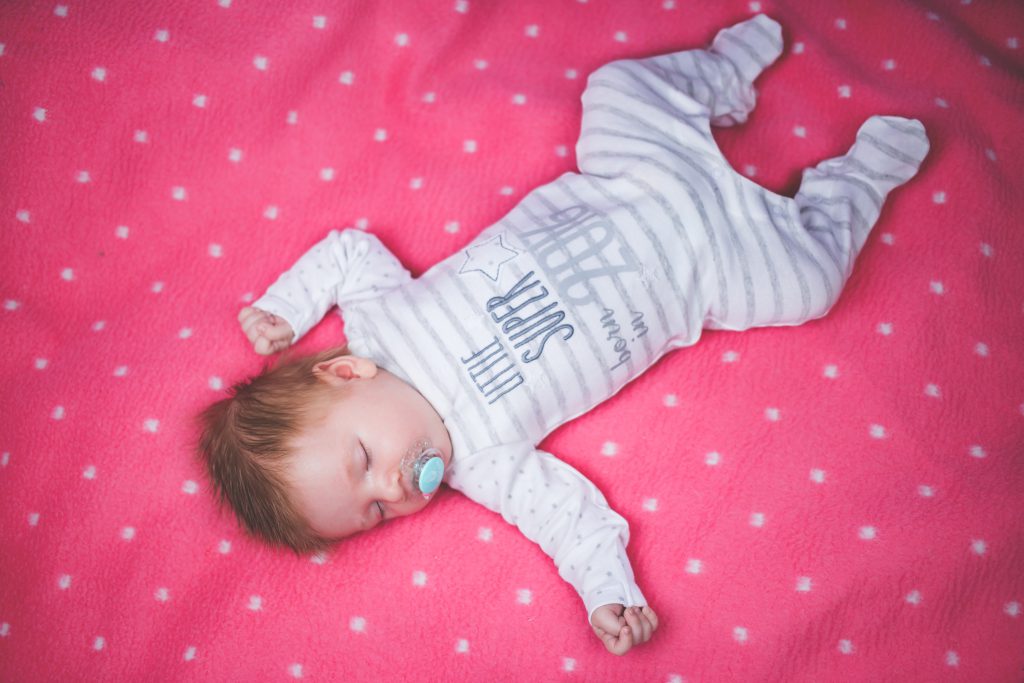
430, 475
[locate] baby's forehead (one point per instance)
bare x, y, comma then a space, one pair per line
318, 457
324, 412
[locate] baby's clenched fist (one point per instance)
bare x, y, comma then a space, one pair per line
267, 332
620, 628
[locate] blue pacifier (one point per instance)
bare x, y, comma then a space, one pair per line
427, 471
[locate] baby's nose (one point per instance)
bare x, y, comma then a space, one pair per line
393, 490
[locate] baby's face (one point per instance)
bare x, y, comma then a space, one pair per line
350, 472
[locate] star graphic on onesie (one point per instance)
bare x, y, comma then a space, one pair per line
488, 257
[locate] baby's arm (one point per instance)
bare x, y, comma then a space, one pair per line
561, 510
345, 267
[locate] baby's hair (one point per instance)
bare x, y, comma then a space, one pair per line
245, 444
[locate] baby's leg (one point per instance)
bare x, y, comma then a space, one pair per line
722, 77
840, 198
669, 100
789, 259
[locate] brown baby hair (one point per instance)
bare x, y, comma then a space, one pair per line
244, 446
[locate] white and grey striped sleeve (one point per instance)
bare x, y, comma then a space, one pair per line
345, 267
561, 510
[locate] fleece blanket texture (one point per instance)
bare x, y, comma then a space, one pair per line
840, 501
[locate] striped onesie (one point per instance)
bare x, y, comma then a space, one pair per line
593, 277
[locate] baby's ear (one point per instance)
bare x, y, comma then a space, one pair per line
341, 369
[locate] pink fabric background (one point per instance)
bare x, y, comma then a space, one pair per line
836, 502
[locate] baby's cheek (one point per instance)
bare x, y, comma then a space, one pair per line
416, 504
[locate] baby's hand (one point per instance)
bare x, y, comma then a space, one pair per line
267, 332
620, 628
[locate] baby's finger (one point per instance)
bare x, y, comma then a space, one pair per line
636, 623
263, 346
280, 331
251, 321
624, 643
652, 616
616, 644
647, 625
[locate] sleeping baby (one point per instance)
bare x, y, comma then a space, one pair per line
455, 376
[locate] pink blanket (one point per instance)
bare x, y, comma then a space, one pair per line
840, 501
